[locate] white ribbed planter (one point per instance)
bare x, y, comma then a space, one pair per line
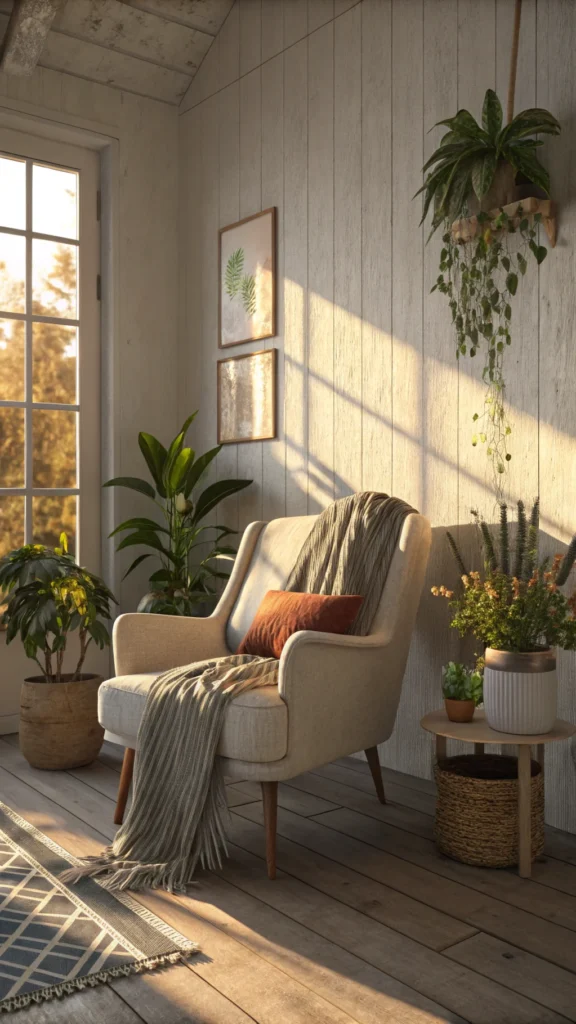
520, 691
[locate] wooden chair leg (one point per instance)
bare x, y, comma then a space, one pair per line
374, 763
124, 786
270, 802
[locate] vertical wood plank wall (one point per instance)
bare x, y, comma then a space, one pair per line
322, 108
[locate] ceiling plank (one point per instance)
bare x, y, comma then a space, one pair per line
86, 60
207, 15
26, 35
117, 26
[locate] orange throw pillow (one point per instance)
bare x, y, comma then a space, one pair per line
283, 612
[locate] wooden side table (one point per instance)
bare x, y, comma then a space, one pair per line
479, 733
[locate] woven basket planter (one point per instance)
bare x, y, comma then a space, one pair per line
477, 809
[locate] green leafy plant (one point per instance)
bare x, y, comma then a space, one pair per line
516, 604
188, 574
48, 596
475, 165
480, 279
462, 683
470, 154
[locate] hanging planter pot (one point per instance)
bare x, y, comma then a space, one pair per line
520, 691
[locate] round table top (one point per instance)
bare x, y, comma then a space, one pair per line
478, 730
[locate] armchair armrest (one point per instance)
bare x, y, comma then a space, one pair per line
342, 693
156, 643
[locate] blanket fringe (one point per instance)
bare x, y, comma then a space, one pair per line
66, 988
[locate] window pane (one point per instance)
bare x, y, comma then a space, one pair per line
51, 516
54, 278
54, 351
12, 193
11, 523
54, 201
11, 447
12, 272
12, 338
53, 448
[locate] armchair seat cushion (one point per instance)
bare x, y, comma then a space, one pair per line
255, 725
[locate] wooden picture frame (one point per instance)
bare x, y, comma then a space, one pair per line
247, 286
237, 397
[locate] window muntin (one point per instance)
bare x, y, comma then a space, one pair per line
39, 335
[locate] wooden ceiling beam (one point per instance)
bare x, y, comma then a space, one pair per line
26, 35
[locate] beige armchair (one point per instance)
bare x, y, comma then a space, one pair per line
335, 695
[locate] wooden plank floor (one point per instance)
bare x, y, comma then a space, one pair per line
366, 923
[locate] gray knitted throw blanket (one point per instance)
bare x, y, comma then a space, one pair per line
178, 810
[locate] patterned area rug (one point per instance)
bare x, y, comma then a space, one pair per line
54, 939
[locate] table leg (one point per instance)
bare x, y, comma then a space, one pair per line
478, 748
540, 755
524, 813
440, 747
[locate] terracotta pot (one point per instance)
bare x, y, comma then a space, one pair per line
459, 710
520, 691
59, 725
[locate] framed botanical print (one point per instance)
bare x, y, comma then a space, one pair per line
247, 279
247, 397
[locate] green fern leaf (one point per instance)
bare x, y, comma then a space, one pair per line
233, 275
249, 294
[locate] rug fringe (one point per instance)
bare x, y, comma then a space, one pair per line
66, 988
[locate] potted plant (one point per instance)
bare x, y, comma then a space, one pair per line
48, 597
462, 691
190, 552
517, 609
472, 175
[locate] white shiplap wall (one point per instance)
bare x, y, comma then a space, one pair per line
144, 378
322, 107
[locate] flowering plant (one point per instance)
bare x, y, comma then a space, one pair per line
516, 605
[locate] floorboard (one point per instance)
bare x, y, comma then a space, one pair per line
365, 924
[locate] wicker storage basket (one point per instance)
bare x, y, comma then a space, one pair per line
477, 809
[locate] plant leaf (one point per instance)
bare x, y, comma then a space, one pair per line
512, 283
216, 493
529, 164
198, 468
233, 273
248, 289
483, 170
134, 483
180, 468
155, 455
137, 523
491, 114
135, 564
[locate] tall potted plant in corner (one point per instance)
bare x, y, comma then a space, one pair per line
517, 609
48, 597
190, 551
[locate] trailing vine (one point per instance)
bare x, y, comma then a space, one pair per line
480, 278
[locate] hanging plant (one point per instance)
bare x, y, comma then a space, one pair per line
473, 174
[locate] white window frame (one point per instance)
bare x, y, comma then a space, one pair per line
88, 455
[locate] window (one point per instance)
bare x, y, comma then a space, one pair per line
49, 340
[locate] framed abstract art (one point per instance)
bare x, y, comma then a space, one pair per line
246, 390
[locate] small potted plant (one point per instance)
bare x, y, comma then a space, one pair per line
462, 690
517, 609
48, 597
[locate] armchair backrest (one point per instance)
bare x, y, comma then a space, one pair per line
268, 552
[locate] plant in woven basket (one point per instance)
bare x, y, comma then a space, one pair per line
462, 683
48, 596
516, 604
